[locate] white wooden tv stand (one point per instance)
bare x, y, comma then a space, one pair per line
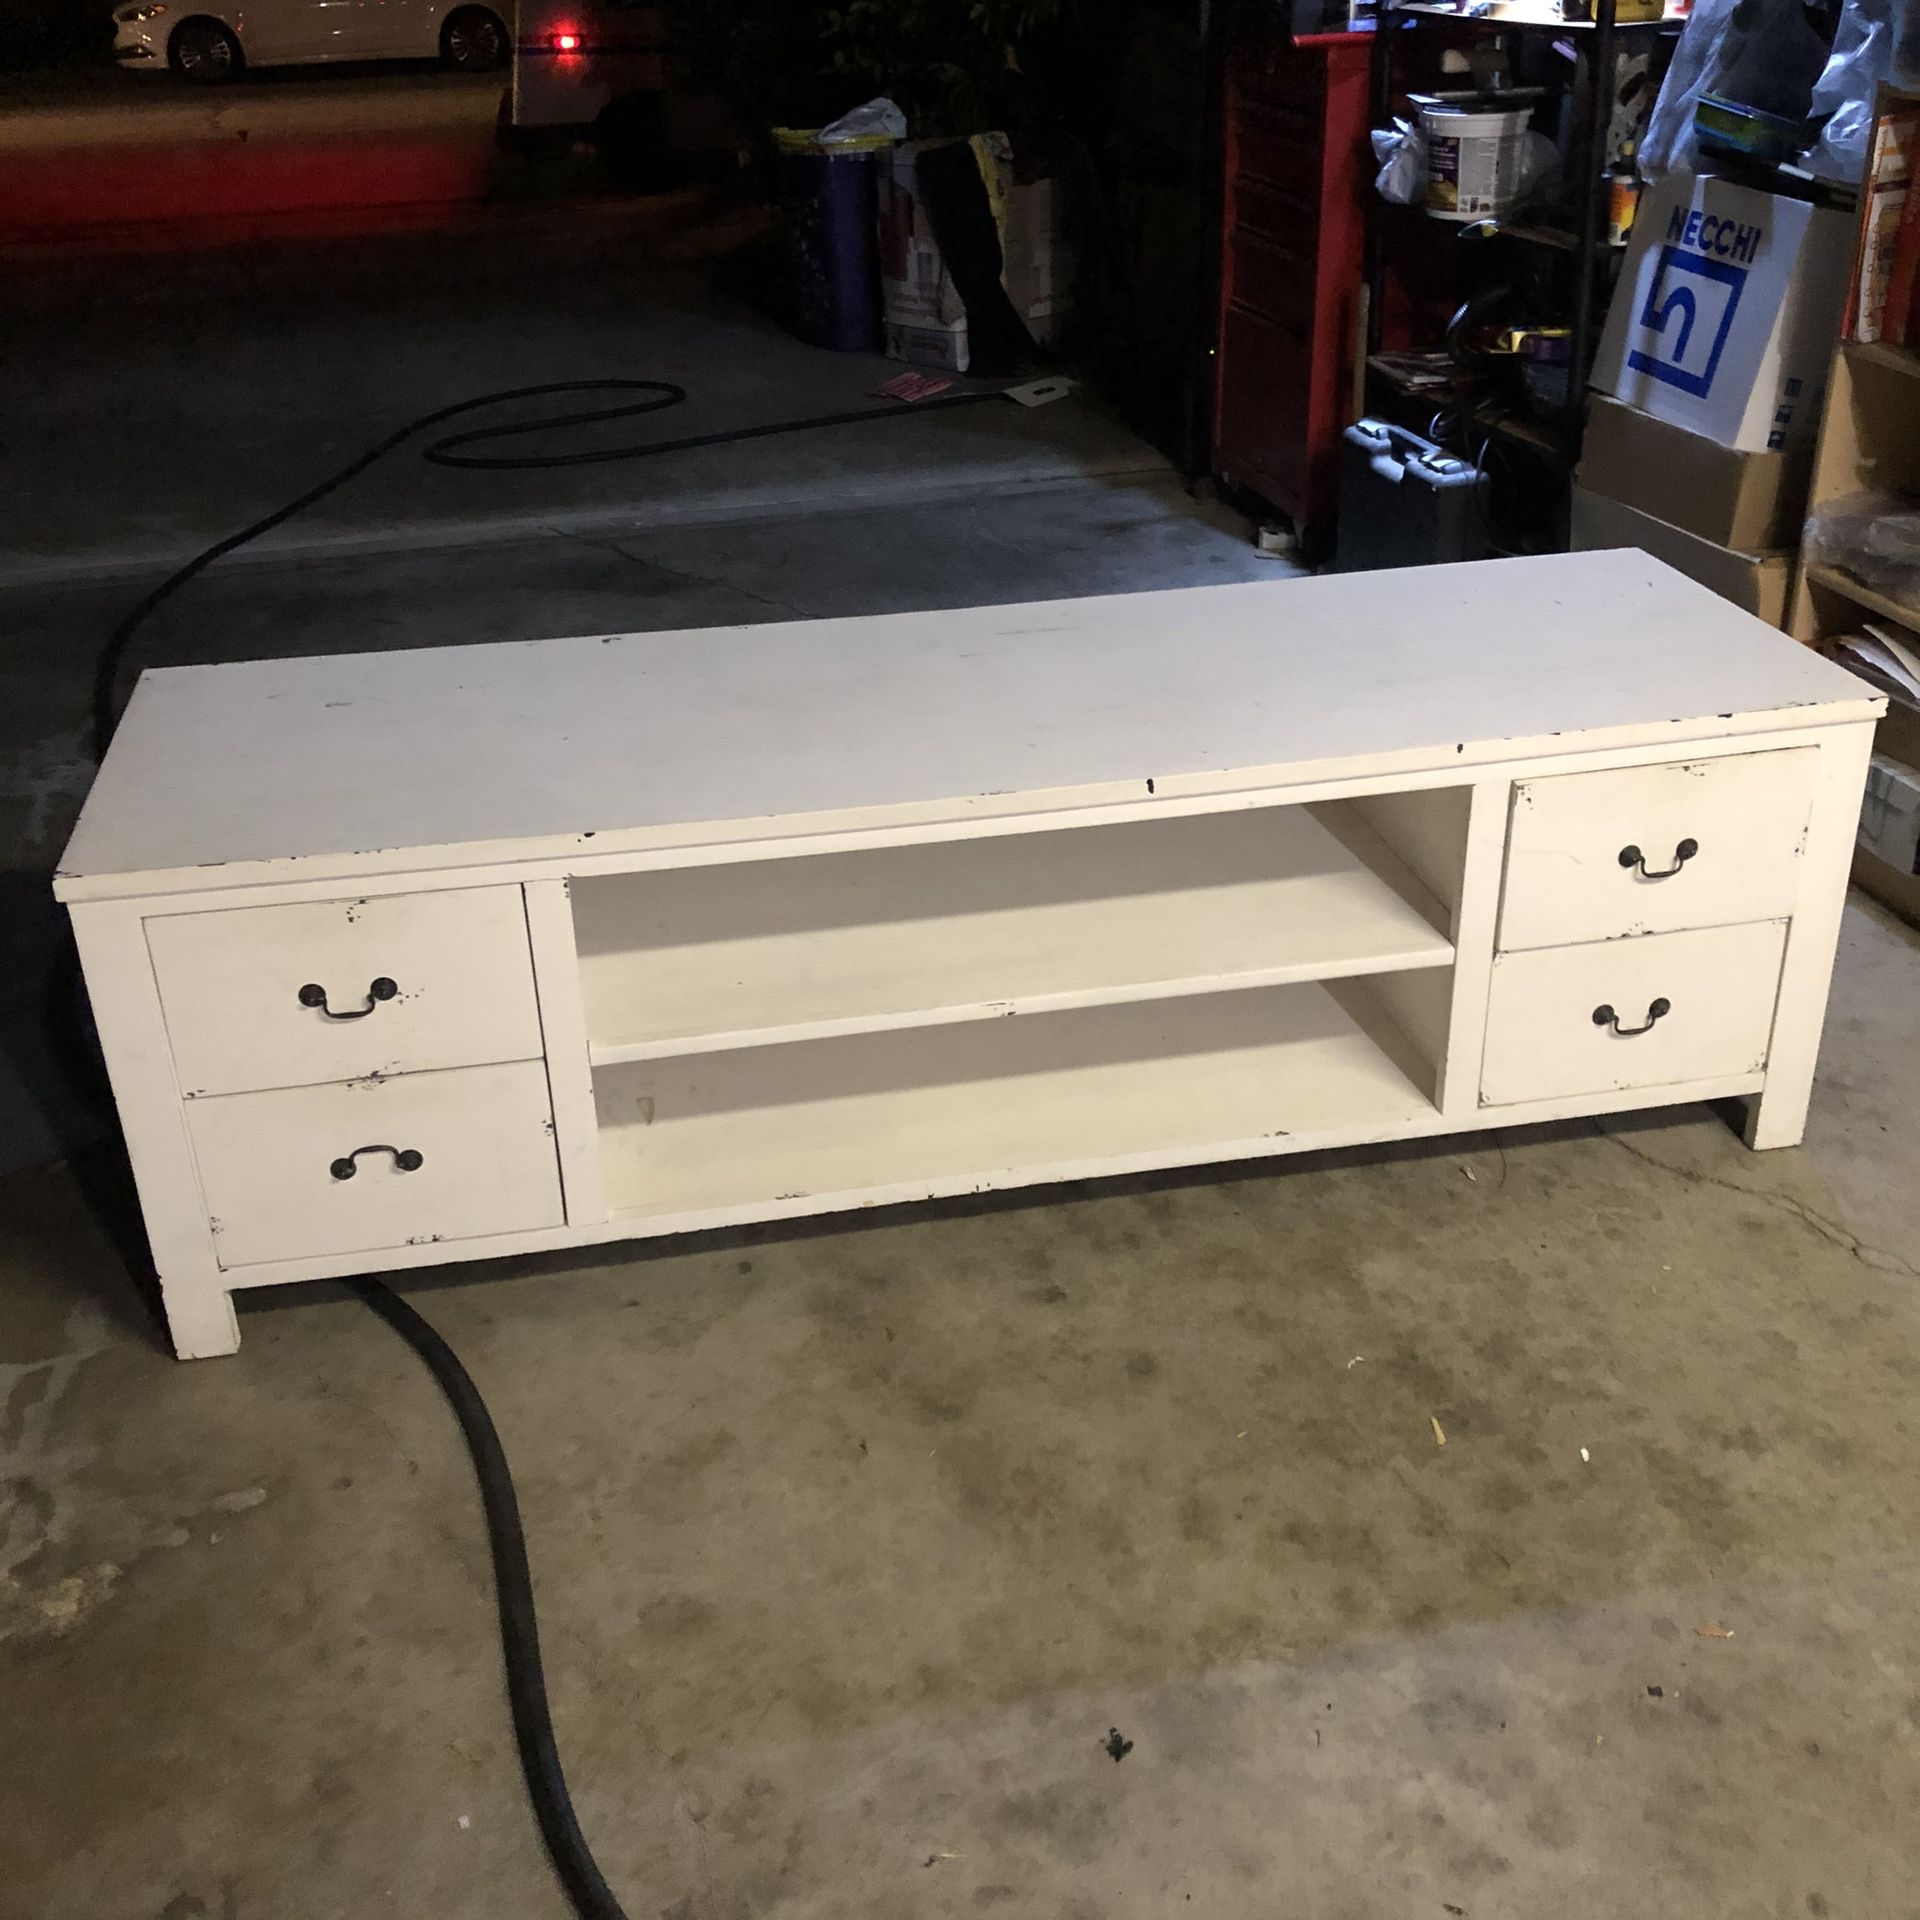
410, 957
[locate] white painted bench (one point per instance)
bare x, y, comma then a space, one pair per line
410, 957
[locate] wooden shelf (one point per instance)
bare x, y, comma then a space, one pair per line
1545, 234
1516, 427
1540, 234
896, 1116
1838, 580
698, 960
1869, 441
1878, 353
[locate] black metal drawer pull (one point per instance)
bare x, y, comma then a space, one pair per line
315, 995
1606, 1017
1633, 857
407, 1159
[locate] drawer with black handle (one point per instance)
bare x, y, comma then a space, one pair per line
1661, 1011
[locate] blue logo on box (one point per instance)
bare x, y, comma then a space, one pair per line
1689, 313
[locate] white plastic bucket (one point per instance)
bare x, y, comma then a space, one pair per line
1475, 160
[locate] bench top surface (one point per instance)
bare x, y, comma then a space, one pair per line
352, 764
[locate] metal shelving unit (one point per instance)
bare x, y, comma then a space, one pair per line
1597, 39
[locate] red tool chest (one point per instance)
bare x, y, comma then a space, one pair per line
1296, 169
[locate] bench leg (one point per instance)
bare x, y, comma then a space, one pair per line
1777, 1114
200, 1319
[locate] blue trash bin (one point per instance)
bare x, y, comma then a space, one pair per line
829, 197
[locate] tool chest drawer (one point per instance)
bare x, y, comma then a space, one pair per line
1280, 139
1703, 843
1270, 68
1271, 278
288, 996
309, 1171
1281, 212
1662, 1011
1274, 357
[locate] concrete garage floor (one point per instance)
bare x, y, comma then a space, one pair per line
854, 1542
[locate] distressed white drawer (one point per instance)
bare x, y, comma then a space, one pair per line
258, 997
433, 1156
1701, 843
1656, 1012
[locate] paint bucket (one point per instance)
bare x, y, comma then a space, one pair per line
1476, 158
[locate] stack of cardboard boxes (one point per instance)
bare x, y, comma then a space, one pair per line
925, 318
1709, 378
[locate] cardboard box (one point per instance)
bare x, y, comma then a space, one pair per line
1757, 582
1727, 310
927, 346
1890, 814
1885, 862
915, 288
1898, 734
924, 317
1900, 891
1752, 501
1037, 268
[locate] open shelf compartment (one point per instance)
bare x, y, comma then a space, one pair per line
909, 1114
747, 954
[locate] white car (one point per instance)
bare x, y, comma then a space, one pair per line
201, 42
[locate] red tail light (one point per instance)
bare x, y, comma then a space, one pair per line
566, 43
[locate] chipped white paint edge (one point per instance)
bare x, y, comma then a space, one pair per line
1779, 1117
1480, 881
700, 843
906, 1193
133, 1035
563, 1019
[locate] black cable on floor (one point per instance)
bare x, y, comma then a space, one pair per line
573, 1860
456, 450
567, 1847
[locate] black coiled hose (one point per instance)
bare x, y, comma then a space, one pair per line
567, 1846
572, 1858
459, 450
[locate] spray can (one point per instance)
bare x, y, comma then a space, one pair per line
1623, 201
